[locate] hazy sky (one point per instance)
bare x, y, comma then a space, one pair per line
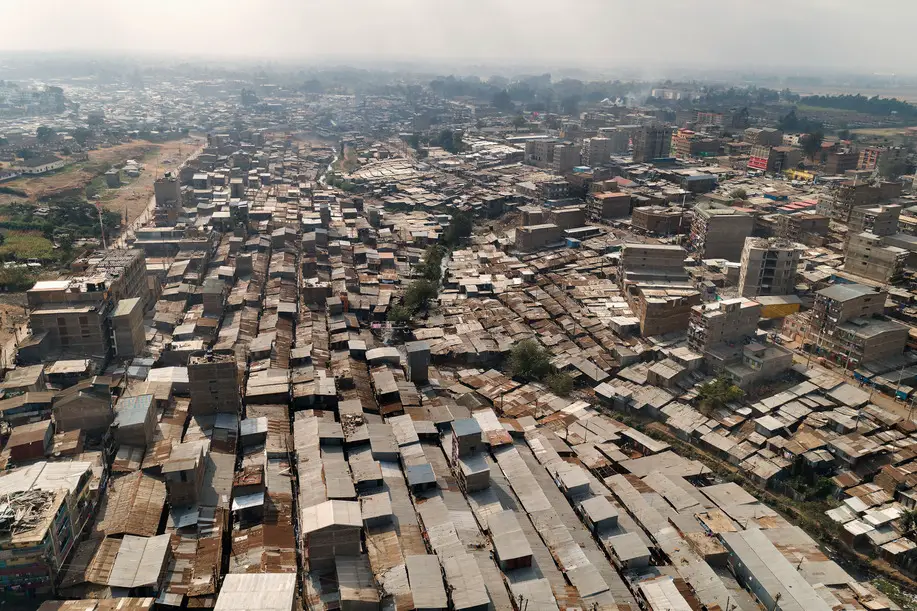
871, 36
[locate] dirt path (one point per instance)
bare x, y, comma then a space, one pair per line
74, 178
135, 195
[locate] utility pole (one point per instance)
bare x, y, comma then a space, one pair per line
101, 224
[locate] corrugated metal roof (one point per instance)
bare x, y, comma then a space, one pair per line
139, 562
426, 579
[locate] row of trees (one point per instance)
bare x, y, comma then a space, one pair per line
863, 104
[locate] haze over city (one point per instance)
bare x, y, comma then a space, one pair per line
594, 34
404, 305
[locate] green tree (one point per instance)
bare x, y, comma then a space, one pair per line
418, 295
843, 134
909, 521
519, 122
529, 361
44, 133
399, 315
891, 169
460, 226
716, 394
811, 143
561, 384
458, 143
502, 101
431, 266
65, 240
81, 135
739, 193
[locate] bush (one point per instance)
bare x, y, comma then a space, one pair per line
561, 384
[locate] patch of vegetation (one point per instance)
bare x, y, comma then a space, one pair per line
820, 489
792, 123
891, 169
96, 186
12, 191
863, 104
739, 193
431, 266
529, 361
561, 384
399, 315
811, 143
26, 245
460, 227
77, 217
16, 279
899, 596
717, 394
419, 294
449, 140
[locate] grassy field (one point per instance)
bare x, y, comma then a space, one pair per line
886, 132
25, 245
833, 111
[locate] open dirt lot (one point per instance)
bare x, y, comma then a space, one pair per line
12, 315
74, 179
135, 195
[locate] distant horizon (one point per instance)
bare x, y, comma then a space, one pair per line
653, 39
464, 68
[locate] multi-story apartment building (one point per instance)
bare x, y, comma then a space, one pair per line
540, 153
566, 157
869, 256
213, 380
659, 220
773, 159
840, 162
767, 136
47, 506
719, 232
872, 157
596, 151
687, 144
72, 316
618, 138
768, 267
845, 325
730, 320
652, 142
878, 220
842, 302
802, 227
